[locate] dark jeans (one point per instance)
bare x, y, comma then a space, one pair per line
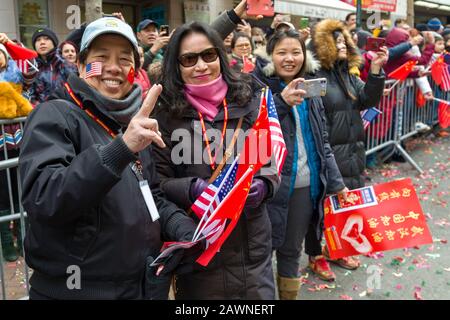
299, 228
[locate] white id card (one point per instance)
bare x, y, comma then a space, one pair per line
148, 197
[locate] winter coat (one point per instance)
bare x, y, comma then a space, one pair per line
52, 75
330, 176
397, 36
243, 268
344, 124
85, 205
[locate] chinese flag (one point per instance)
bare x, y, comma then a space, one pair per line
444, 114
402, 72
130, 76
437, 69
19, 53
248, 66
230, 208
420, 99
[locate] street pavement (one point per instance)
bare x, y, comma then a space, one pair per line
410, 273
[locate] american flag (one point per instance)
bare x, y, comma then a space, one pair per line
368, 116
213, 195
445, 84
279, 150
93, 69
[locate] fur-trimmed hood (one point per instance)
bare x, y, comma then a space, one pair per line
268, 68
324, 45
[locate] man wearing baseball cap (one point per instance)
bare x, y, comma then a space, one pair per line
53, 69
87, 167
151, 41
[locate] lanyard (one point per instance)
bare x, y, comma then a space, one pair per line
89, 113
208, 147
137, 166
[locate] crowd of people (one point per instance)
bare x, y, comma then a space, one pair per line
100, 185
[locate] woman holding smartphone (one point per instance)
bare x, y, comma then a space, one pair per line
346, 96
309, 172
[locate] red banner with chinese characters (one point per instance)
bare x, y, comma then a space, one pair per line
377, 218
383, 5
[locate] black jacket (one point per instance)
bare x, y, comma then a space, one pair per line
330, 176
243, 268
84, 203
344, 124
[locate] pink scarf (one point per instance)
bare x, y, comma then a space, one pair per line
206, 98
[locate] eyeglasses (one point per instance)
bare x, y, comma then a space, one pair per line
190, 59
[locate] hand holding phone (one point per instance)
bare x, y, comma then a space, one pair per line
314, 87
374, 44
304, 23
164, 30
260, 7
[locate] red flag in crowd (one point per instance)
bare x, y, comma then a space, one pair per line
248, 66
444, 114
445, 84
437, 68
19, 53
420, 99
231, 208
402, 72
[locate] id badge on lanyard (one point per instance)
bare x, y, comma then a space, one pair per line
145, 190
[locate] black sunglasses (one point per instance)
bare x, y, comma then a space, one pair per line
190, 59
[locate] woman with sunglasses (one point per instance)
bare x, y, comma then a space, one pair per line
309, 171
203, 99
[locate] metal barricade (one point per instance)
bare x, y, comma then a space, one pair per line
10, 135
402, 118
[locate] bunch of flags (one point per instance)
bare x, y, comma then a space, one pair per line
220, 205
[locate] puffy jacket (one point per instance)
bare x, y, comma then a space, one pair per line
53, 73
344, 124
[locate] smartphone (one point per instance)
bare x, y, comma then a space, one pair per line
374, 44
164, 28
260, 7
109, 15
304, 23
314, 87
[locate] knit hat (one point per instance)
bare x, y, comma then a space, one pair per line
44, 32
434, 24
446, 32
422, 27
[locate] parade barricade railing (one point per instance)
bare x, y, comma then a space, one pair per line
402, 118
9, 166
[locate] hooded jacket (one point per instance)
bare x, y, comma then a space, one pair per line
344, 124
397, 36
84, 203
329, 174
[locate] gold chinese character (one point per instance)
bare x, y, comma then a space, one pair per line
327, 210
403, 232
377, 237
372, 223
352, 198
390, 234
385, 220
415, 230
413, 215
383, 196
395, 194
406, 192
398, 218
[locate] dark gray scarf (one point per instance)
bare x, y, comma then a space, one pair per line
120, 110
